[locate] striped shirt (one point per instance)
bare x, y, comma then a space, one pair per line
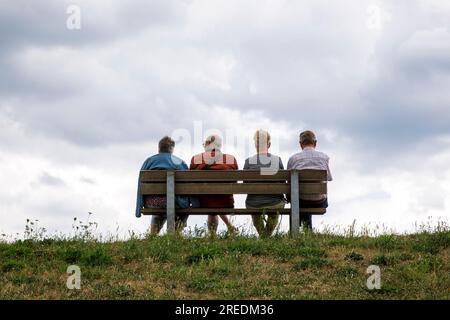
309, 158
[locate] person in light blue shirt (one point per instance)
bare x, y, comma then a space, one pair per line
164, 160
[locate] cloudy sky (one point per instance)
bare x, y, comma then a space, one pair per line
82, 108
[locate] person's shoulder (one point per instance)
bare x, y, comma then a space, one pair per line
173, 161
295, 155
230, 161
152, 158
274, 156
176, 158
252, 158
197, 156
229, 156
322, 154
196, 160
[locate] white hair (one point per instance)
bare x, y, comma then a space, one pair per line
262, 139
213, 142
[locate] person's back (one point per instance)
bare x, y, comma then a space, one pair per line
214, 159
266, 163
258, 162
310, 158
164, 160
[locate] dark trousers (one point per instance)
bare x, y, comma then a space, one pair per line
306, 219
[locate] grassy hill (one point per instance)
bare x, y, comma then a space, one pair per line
311, 266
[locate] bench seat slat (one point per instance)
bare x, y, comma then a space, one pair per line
230, 175
232, 188
205, 211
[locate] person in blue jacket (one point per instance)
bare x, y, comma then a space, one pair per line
163, 160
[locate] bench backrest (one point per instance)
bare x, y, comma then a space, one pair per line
201, 182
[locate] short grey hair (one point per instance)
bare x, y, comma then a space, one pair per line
307, 137
213, 142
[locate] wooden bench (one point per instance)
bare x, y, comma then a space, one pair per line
204, 182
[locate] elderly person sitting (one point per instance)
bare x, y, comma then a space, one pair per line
263, 160
164, 160
310, 158
214, 159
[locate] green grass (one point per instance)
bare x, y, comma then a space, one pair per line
310, 266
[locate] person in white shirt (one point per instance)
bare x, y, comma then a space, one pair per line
310, 158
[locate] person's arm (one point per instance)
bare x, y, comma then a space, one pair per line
139, 200
289, 167
281, 167
235, 165
183, 166
329, 176
290, 163
246, 165
192, 166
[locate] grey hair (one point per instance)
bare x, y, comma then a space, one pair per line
213, 142
262, 138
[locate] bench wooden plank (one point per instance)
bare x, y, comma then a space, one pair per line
312, 175
238, 211
153, 176
230, 175
232, 188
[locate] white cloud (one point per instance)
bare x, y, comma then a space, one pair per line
80, 112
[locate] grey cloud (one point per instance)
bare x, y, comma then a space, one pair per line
50, 180
295, 70
26, 25
98, 100
44, 23
87, 180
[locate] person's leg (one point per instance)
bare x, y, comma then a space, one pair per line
227, 222
258, 222
154, 229
213, 222
195, 202
306, 221
272, 220
180, 222
157, 224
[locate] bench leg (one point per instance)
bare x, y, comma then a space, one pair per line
170, 202
295, 204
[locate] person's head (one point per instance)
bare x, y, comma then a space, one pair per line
213, 142
308, 139
166, 145
262, 141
